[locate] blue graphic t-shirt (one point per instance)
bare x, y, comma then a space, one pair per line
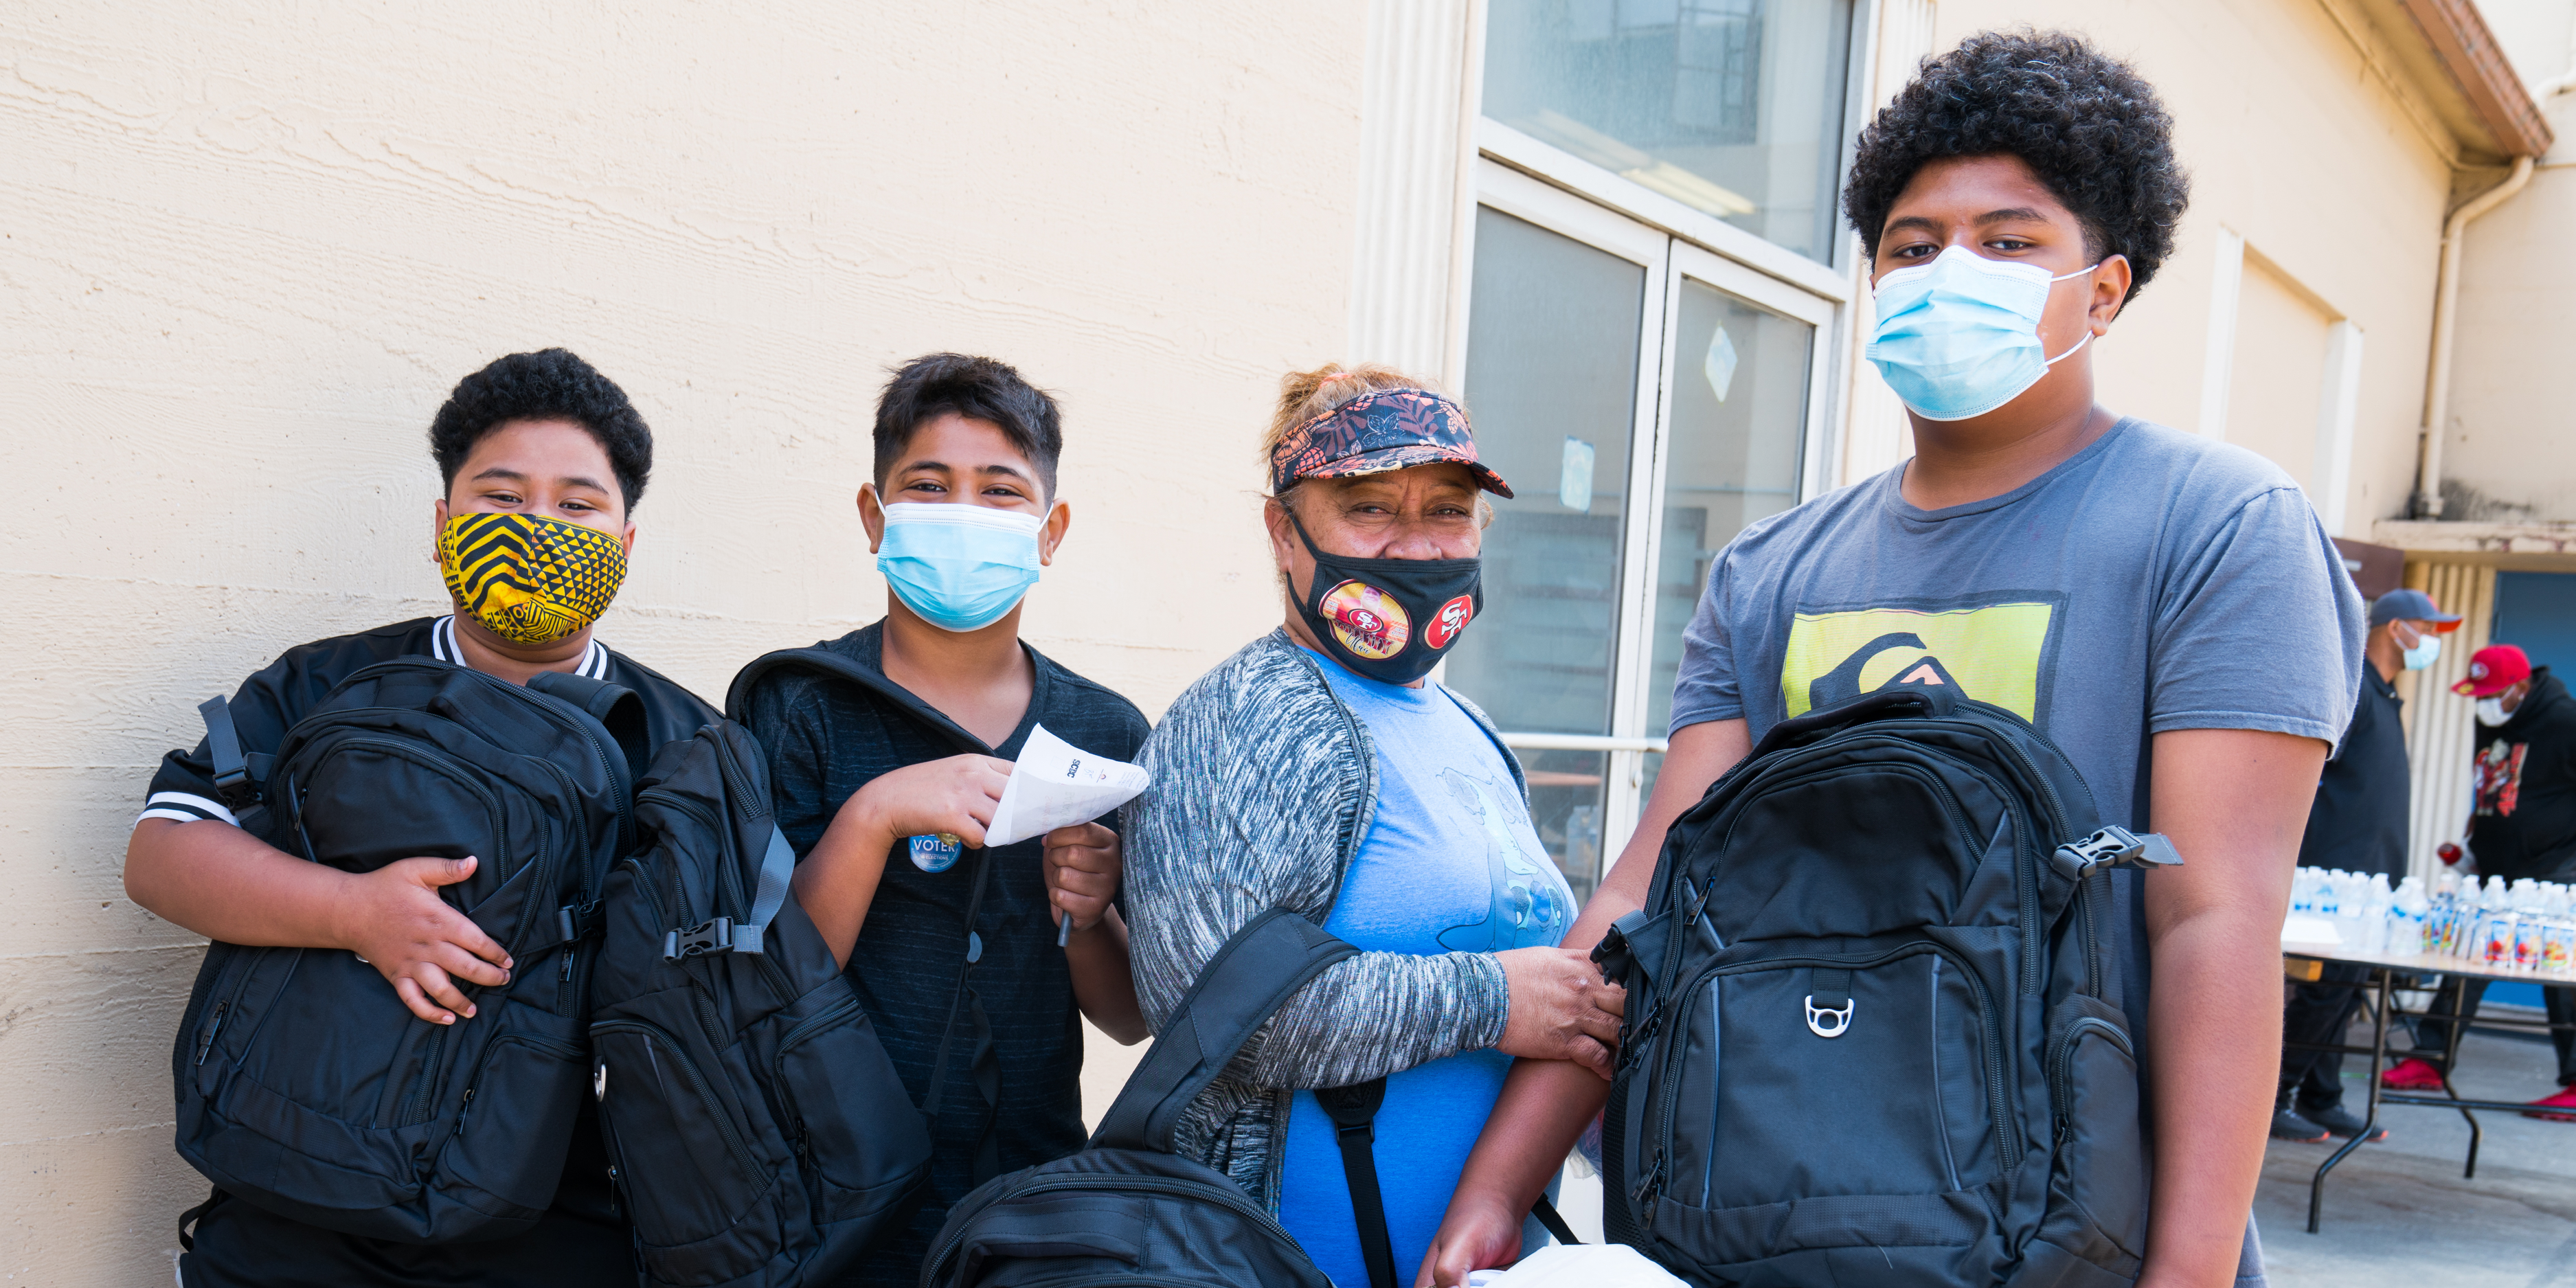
1450, 864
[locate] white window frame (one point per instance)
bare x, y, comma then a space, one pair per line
1806, 292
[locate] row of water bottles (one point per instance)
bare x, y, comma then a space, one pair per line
2527, 926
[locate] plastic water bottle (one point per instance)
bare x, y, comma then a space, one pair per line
2409, 926
2558, 945
2495, 926
2303, 891
2377, 902
2530, 931
2442, 937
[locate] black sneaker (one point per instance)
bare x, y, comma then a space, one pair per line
2287, 1125
2335, 1119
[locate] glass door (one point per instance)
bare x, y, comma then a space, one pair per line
1646, 400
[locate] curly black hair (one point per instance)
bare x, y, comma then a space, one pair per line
551, 384
986, 389
2086, 123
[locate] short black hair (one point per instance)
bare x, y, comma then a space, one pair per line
2086, 123
939, 384
551, 384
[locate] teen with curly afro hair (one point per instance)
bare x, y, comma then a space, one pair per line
2137, 594
2086, 124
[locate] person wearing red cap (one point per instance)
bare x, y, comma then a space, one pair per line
2523, 828
2357, 823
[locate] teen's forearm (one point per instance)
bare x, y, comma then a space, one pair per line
838, 879
223, 883
1104, 985
2234, 803
2214, 1044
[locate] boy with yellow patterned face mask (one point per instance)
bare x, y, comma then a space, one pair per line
543, 459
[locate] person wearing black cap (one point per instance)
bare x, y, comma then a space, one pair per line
2358, 824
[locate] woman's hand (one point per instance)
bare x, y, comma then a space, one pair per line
956, 795
1477, 1234
1561, 1008
1082, 868
395, 921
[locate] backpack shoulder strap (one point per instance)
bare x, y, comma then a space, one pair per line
823, 661
1252, 975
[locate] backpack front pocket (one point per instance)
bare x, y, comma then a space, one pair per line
854, 1127
1863, 1084
515, 1113
2097, 1190
677, 1139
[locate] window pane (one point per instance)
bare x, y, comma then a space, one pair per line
1739, 405
1734, 107
1551, 381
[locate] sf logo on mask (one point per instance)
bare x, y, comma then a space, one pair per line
1451, 619
1368, 621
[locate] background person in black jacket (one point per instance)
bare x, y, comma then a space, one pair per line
2357, 823
2522, 829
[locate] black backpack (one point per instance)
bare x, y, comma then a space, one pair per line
759, 1135
965, 1007
1874, 1022
1128, 1211
304, 1085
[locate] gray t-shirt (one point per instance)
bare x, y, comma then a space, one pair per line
2153, 576
2153, 579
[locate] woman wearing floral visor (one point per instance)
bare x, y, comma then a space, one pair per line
1319, 769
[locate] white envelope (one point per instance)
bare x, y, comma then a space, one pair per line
1583, 1265
1055, 783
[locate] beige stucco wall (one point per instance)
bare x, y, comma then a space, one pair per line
246, 249
2507, 457
2295, 147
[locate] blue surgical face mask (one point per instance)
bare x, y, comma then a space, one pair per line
960, 566
2426, 649
1959, 337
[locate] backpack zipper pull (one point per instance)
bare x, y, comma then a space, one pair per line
464, 1107
214, 1025
1648, 1188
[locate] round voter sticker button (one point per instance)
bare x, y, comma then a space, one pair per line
936, 852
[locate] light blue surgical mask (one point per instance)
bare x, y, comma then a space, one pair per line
1959, 337
960, 566
2427, 648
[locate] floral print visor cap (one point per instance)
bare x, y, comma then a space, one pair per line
1391, 429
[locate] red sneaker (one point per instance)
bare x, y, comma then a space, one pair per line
2411, 1074
2564, 1099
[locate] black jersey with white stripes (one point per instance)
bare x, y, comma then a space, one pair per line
271, 701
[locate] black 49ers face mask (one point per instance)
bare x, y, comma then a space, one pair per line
1391, 620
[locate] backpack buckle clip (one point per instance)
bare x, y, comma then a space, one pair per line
1828, 1021
2118, 847
711, 936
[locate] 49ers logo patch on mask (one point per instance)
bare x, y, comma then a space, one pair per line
1451, 619
1367, 621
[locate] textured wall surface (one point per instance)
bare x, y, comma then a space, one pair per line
246, 249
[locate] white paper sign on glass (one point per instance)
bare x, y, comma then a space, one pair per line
1055, 783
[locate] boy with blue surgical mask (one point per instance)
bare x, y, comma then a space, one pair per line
885, 816
2166, 609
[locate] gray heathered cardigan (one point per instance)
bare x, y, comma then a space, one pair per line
1264, 786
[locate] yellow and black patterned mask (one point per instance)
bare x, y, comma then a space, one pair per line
530, 579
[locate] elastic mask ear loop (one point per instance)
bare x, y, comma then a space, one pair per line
2088, 331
